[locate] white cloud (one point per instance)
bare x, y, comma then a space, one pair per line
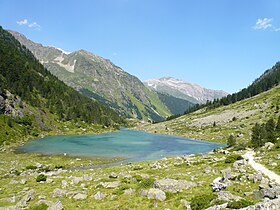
22, 22
34, 25
263, 24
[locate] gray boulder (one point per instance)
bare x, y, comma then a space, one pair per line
218, 207
80, 196
59, 193
23, 202
227, 196
217, 185
110, 184
266, 205
156, 194
172, 185
99, 196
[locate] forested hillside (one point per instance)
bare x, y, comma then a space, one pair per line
31, 96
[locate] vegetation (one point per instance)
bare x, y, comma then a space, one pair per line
41, 178
202, 201
231, 140
239, 204
231, 158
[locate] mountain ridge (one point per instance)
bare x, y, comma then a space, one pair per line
184, 90
84, 70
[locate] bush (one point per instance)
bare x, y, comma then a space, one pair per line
202, 201
31, 167
231, 158
41, 178
146, 183
239, 204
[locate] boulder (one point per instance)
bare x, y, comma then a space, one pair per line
172, 185
99, 196
218, 207
64, 184
80, 196
23, 202
156, 194
113, 175
110, 184
266, 204
227, 196
268, 145
217, 185
129, 191
59, 193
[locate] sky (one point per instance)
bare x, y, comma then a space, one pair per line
218, 44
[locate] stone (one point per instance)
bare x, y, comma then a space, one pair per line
23, 181
49, 180
59, 193
227, 196
268, 146
143, 193
268, 193
156, 194
186, 204
99, 196
13, 182
29, 196
217, 185
172, 185
110, 184
129, 191
53, 205
207, 170
87, 177
226, 174
255, 177
266, 205
218, 207
264, 184
155, 165
80, 197
113, 175
277, 156
64, 184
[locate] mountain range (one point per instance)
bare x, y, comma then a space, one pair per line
184, 90
101, 80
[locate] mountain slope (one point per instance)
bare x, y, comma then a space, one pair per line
100, 79
184, 90
30, 94
218, 123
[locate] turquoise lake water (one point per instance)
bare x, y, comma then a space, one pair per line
133, 145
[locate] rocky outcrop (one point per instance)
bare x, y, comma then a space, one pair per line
172, 185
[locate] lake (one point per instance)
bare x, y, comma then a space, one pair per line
129, 144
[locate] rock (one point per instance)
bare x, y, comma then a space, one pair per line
113, 175
271, 163
277, 156
255, 177
218, 207
155, 165
59, 193
56, 206
156, 194
264, 184
87, 177
186, 204
64, 184
23, 202
226, 174
217, 185
268, 146
49, 180
207, 170
80, 196
227, 196
129, 191
99, 196
143, 193
172, 185
266, 204
268, 193
110, 184
76, 180
13, 182
23, 181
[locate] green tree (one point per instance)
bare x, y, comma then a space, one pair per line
258, 135
277, 129
270, 131
231, 140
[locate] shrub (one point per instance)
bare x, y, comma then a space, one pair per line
146, 183
239, 204
41, 178
138, 178
231, 158
31, 167
202, 201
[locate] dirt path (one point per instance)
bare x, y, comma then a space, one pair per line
258, 167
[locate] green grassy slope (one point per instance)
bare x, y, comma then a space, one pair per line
237, 119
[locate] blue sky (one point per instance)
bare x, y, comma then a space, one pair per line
219, 44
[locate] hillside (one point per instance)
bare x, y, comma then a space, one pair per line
33, 100
184, 90
218, 123
100, 79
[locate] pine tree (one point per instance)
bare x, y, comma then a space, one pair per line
270, 131
231, 141
258, 135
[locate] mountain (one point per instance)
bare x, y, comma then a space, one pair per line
184, 90
100, 79
32, 97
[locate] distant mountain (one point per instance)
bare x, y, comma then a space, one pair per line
100, 79
184, 90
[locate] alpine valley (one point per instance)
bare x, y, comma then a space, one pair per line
101, 80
